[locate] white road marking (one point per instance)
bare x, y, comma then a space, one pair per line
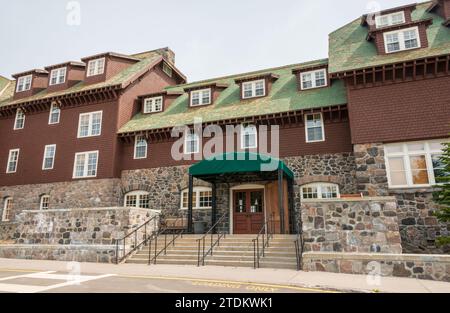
24, 275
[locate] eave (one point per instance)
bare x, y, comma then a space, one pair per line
219, 86
270, 76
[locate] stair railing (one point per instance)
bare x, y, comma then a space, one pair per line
201, 243
266, 233
123, 251
299, 246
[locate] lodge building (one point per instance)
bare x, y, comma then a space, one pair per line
367, 122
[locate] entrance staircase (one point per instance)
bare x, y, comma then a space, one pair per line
234, 250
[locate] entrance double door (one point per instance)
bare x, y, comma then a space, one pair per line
248, 211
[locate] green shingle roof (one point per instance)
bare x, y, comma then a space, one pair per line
349, 49
284, 96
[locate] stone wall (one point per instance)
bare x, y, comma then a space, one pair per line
371, 176
431, 267
351, 225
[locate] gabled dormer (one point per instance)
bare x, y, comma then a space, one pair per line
157, 102
256, 86
65, 75
312, 77
30, 83
442, 8
204, 94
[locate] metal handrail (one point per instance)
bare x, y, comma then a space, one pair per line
267, 233
299, 246
201, 242
134, 235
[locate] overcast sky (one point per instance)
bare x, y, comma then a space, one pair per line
210, 37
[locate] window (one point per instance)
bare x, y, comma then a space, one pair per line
19, 122
55, 113
24, 83
85, 164
249, 137
90, 124
201, 97
320, 191
49, 157
313, 79
153, 105
58, 76
416, 164
137, 199
140, 147
254, 89
7, 209
13, 159
167, 69
201, 198
96, 67
402, 40
314, 127
390, 19
191, 143
45, 202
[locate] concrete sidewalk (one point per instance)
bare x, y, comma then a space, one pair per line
344, 282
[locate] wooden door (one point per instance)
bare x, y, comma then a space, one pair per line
248, 208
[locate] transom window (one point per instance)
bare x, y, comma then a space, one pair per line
58, 76
96, 67
13, 159
320, 191
415, 164
137, 199
153, 105
201, 198
7, 209
85, 164
19, 122
191, 143
402, 40
167, 69
314, 127
45, 202
24, 83
313, 79
249, 137
90, 124
140, 147
254, 89
49, 157
201, 97
390, 19
55, 113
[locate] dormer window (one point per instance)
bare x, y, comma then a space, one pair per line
200, 97
24, 83
400, 40
153, 105
96, 67
58, 76
390, 19
313, 79
167, 69
253, 89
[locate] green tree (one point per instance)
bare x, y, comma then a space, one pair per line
442, 197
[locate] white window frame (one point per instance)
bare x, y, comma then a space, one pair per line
57, 109
10, 161
86, 163
60, 74
136, 140
401, 39
19, 111
5, 207
306, 128
200, 94
195, 198
319, 187
52, 157
167, 69
22, 83
96, 69
249, 130
151, 103
390, 20
405, 154
138, 194
253, 88
187, 139
313, 79
41, 202
91, 116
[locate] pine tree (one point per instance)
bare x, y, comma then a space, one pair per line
442, 197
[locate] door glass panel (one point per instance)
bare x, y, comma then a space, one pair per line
256, 202
239, 202
419, 170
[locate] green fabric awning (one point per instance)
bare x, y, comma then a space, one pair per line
238, 162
